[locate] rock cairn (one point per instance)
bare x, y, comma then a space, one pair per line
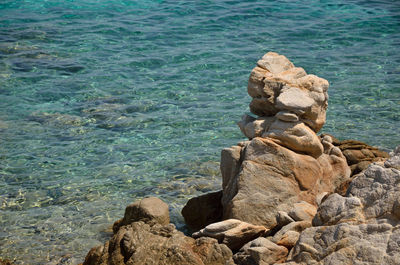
288, 195
284, 161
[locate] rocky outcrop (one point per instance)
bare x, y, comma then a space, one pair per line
272, 184
140, 243
360, 228
145, 236
272, 178
284, 162
233, 233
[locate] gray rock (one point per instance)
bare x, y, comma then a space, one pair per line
282, 219
361, 228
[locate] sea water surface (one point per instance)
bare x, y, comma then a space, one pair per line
103, 102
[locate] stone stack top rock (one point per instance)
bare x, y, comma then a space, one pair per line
278, 87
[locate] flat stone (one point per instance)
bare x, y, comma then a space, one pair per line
234, 233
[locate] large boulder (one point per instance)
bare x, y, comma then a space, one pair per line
360, 228
140, 244
272, 178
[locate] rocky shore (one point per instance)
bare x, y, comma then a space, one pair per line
289, 196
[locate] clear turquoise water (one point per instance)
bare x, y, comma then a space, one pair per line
106, 101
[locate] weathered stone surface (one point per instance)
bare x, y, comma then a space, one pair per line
361, 228
260, 251
255, 127
234, 233
302, 211
150, 210
289, 234
282, 219
349, 244
296, 136
358, 154
203, 210
276, 85
230, 163
140, 244
337, 209
272, 178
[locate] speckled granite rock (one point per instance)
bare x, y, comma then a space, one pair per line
361, 228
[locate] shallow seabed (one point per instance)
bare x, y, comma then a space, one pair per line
103, 102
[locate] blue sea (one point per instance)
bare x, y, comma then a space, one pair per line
103, 102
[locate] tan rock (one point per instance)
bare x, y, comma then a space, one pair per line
150, 210
140, 244
233, 233
272, 178
260, 251
296, 136
288, 235
276, 85
252, 127
302, 211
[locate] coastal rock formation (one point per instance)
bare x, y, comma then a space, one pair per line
155, 242
360, 228
284, 161
272, 184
